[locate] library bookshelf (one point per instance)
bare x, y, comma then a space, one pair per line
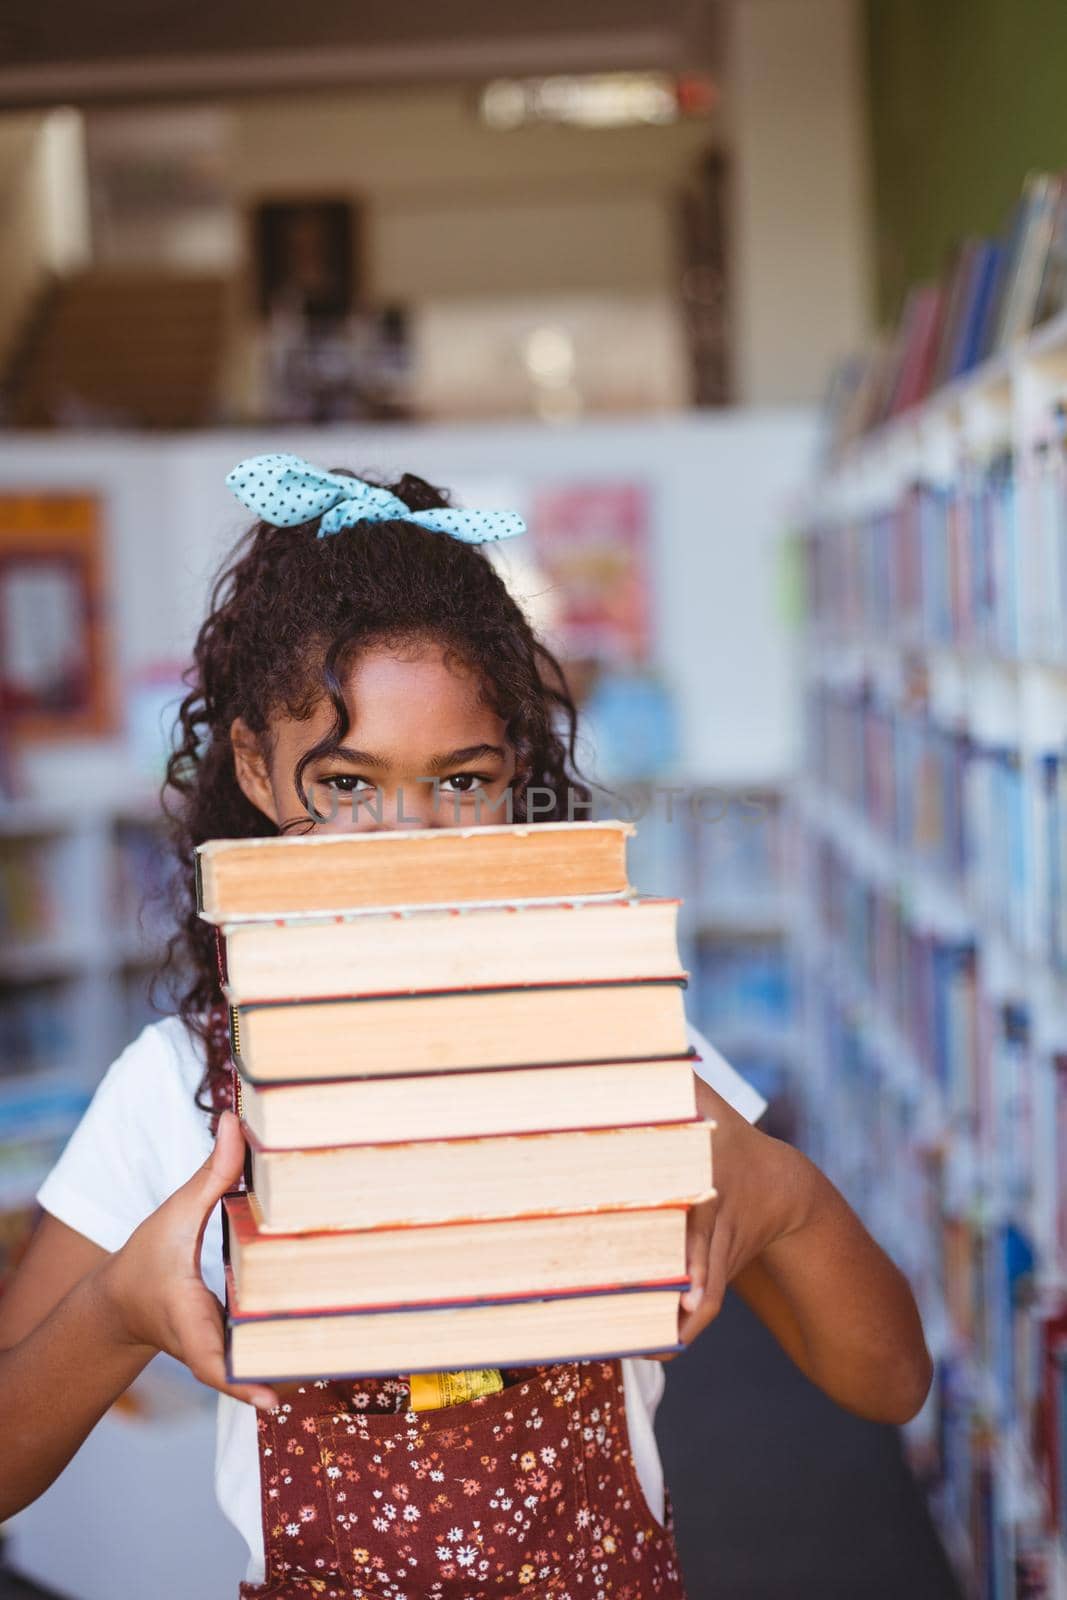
81, 930
932, 958
727, 850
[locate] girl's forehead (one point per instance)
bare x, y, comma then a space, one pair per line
400, 698
382, 677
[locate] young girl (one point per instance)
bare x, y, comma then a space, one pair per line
363, 664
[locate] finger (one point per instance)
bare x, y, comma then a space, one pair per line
226, 1162
710, 1303
698, 1320
697, 1245
221, 1171
199, 1329
219, 1174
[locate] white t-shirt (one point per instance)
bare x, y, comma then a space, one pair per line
143, 1136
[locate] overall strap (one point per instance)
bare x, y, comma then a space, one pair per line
219, 1085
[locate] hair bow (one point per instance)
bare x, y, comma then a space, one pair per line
286, 490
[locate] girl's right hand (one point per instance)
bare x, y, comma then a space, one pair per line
154, 1281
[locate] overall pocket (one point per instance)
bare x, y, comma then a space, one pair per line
480, 1501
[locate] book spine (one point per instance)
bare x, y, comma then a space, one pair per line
221, 964
198, 878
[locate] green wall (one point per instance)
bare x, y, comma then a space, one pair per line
966, 96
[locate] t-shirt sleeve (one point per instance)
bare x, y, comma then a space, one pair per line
644, 1376
725, 1079
139, 1139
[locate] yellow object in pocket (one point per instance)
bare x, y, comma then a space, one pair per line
432, 1390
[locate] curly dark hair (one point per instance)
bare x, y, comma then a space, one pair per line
289, 614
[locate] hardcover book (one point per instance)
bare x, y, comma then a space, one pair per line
361, 1343
383, 951
459, 1105
277, 877
376, 1186
452, 1262
384, 1035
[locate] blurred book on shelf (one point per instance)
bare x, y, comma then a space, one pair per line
31, 890
142, 884
741, 858
728, 850
38, 1025
744, 984
992, 293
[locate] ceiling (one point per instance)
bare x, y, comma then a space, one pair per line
85, 51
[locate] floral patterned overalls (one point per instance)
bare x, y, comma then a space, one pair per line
530, 1492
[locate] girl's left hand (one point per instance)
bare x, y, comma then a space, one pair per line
804, 1262
763, 1192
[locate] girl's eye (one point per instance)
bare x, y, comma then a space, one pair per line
351, 783
469, 781
344, 782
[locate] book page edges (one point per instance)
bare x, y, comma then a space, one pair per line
265, 1086
597, 1132
628, 897
590, 1291
521, 830
248, 1217
627, 892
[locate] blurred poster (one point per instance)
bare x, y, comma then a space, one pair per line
592, 540
52, 673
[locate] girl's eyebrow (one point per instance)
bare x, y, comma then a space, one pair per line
450, 758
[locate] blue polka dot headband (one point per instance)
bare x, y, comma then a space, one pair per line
285, 490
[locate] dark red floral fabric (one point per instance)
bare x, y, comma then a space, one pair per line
528, 1492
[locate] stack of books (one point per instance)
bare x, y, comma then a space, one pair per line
465, 1079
